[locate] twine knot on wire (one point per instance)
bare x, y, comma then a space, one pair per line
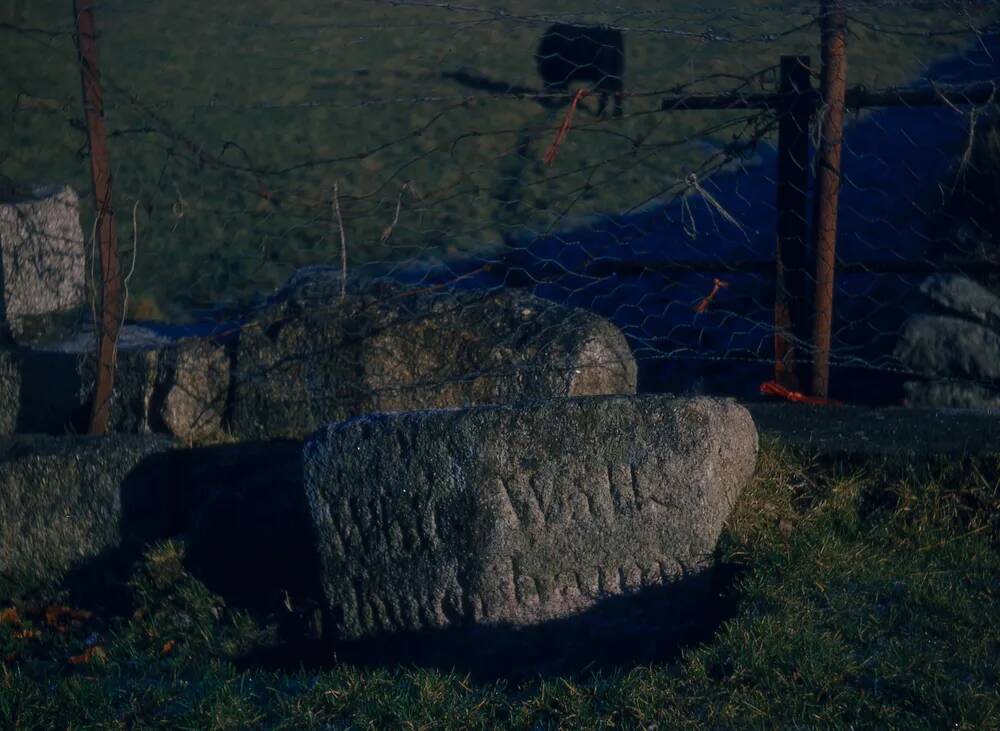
692, 183
717, 284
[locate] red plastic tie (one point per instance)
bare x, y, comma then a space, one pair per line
771, 388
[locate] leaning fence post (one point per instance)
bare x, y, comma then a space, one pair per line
833, 83
791, 302
109, 298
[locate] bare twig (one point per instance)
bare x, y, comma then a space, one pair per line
692, 182
131, 271
343, 243
387, 232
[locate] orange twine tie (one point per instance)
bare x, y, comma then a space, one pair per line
702, 306
770, 388
550, 154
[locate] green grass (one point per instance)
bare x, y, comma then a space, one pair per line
867, 597
350, 93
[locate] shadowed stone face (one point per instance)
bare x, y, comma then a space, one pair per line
162, 385
516, 516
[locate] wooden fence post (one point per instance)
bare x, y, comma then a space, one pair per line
791, 305
110, 303
833, 83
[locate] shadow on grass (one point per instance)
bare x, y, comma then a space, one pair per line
245, 521
240, 512
249, 540
652, 625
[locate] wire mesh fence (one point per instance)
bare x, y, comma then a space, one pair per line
445, 164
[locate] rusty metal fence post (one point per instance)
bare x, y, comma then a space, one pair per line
791, 306
109, 297
833, 85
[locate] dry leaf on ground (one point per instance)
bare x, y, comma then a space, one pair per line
97, 652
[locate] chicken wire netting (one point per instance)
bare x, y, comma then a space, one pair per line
559, 150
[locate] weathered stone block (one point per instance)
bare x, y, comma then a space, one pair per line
177, 387
965, 297
949, 395
518, 515
41, 256
195, 388
10, 391
65, 501
942, 346
311, 358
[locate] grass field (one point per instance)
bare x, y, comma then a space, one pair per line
866, 597
232, 122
